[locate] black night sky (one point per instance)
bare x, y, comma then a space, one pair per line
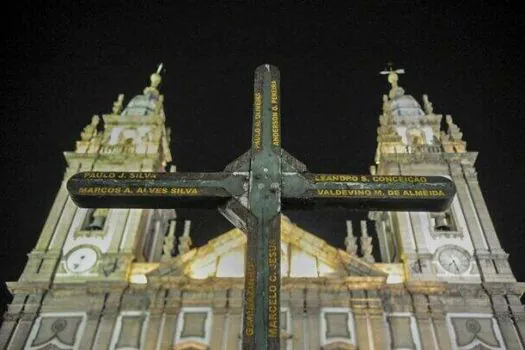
62, 64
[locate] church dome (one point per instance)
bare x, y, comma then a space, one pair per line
145, 104
405, 106
141, 105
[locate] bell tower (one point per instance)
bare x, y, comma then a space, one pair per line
460, 244
93, 247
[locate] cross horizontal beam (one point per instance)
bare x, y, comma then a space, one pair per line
367, 192
154, 190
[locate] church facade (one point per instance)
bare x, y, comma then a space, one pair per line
121, 279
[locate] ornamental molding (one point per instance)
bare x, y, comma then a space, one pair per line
499, 288
426, 287
28, 287
475, 291
466, 158
156, 119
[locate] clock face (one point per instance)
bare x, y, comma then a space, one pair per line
81, 259
454, 260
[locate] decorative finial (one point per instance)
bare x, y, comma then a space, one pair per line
185, 239
454, 131
427, 105
350, 240
90, 130
393, 77
155, 79
366, 243
169, 242
117, 105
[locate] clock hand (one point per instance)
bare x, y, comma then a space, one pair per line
457, 268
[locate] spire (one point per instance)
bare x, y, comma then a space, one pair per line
393, 77
350, 240
155, 80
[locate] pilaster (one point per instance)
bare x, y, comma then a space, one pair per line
156, 310
220, 311
298, 314
498, 255
421, 313
518, 313
108, 319
55, 212
90, 331
169, 325
377, 320
423, 254
359, 307
437, 314
93, 304
481, 209
509, 333
26, 321
486, 266
313, 313
234, 335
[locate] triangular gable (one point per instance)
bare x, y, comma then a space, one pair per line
303, 255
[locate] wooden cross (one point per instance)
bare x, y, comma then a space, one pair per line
252, 191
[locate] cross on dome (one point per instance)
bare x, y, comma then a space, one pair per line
393, 77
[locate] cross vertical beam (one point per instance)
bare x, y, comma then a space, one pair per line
261, 329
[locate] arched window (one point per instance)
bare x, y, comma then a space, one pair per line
95, 219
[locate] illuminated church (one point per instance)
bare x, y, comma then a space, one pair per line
122, 278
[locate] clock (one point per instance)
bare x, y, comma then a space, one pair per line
81, 259
454, 259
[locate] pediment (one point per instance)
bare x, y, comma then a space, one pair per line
303, 255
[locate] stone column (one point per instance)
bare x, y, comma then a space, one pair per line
218, 323
234, 335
